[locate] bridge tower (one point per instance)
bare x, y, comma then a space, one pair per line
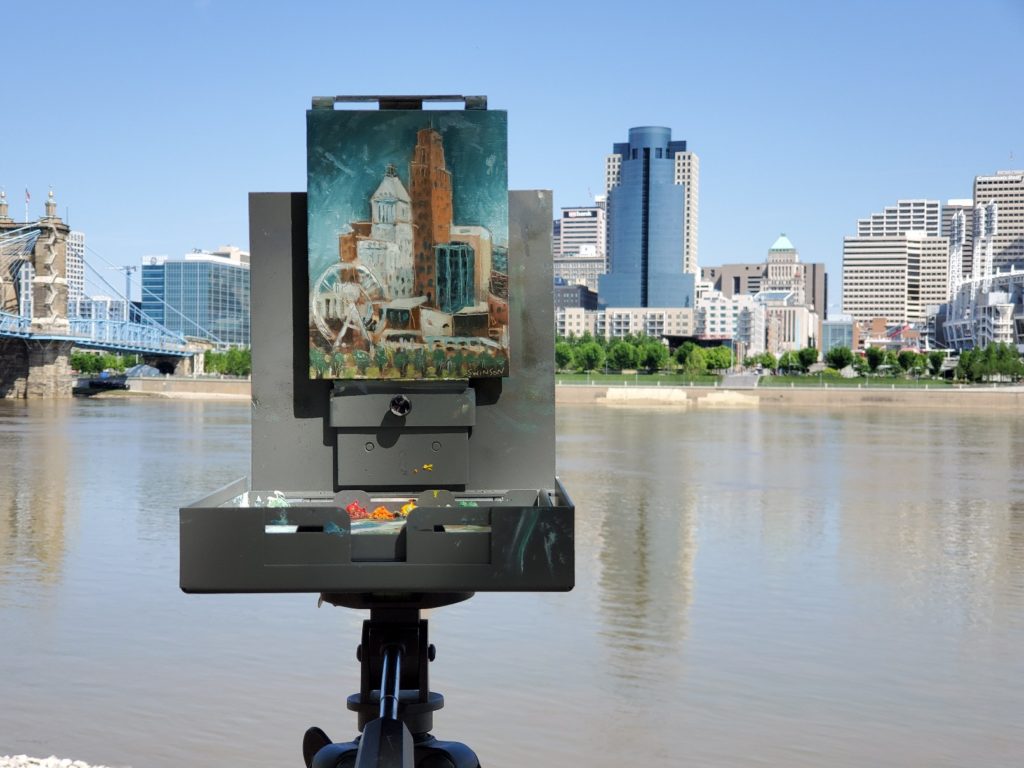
38, 366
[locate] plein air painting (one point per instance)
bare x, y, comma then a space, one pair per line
408, 244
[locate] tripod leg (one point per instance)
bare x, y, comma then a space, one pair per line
314, 740
385, 743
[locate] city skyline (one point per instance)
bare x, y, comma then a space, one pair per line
782, 109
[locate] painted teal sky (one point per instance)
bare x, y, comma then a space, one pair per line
154, 120
349, 152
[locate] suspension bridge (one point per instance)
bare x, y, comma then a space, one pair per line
37, 331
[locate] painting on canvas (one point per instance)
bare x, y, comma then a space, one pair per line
408, 244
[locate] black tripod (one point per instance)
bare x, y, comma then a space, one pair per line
394, 705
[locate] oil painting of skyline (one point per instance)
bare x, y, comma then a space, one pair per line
408, 244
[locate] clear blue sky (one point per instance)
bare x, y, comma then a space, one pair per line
153, 120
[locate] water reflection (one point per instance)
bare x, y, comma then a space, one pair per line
928, 512
773, 587
37, 507
645, 537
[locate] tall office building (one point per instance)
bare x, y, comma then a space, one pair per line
898, 263
205, 294
905, 216
688, 174
896, 277
76, 265
647, 222
1004, 190
579, 252
581, 226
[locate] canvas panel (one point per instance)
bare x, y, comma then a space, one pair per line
408, 244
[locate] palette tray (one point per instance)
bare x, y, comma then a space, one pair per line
244, 540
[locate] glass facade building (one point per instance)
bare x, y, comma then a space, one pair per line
204, 295
836, 333
646, 225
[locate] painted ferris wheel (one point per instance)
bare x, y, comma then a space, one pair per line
345, 303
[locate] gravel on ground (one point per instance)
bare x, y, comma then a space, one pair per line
24, 761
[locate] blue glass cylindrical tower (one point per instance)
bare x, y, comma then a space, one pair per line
646, 225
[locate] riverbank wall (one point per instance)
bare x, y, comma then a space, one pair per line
1007, 399
186, 387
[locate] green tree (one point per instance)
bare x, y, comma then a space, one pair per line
839, 357
653, 356
437, 358
683, 352
380, 357
769, 361
807, 356
419, 361
696, 362
400, 360
935, 360
563, 355
790, 361
317, 362
875, 357
589, 356
622, 355
718, 358
907, 359
892, 360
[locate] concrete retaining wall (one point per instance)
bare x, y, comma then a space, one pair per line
185, 387
1002, 399
1007, 399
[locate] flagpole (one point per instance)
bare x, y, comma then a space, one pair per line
27, 198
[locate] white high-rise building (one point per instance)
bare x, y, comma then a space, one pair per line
1006, 191
906, 216
579, 247
898, 263
688, 174
895, 277
582, 226
76, 265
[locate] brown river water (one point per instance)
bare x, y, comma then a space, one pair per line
754, 588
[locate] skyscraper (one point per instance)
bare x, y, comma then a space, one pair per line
895, 277
76, 265
898, 264
647, 222
1006, 191
430, 188
205, 294
579, 252
905, 216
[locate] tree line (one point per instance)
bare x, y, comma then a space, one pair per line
995, 362
232, 362
92, 362
636, 352
236, 361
